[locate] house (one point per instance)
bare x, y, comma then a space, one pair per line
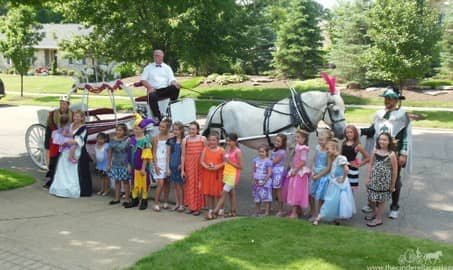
48, 48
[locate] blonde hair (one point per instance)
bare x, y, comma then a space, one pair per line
335, 142
81, 113
325, 132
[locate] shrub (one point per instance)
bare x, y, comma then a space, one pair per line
435, 83
126, 70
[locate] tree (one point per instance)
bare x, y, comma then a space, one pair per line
83, 47
21, 33
404, 35
446, 69
348, 34
299, 41
199, 33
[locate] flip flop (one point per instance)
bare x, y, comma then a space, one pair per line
374, 224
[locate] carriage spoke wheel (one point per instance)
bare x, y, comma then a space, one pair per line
34, 142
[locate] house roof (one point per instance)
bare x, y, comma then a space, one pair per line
54, 33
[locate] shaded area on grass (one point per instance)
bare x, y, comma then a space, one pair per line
272, 243
10, 179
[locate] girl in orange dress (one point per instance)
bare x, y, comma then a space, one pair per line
231, 174
211, 172
192, 146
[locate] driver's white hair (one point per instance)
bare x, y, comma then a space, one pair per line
158, 51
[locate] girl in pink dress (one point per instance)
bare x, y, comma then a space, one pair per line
298, 187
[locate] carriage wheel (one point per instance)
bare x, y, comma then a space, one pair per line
34, 142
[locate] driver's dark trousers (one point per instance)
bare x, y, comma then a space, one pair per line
171, 92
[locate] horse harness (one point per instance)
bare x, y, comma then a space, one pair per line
298, 115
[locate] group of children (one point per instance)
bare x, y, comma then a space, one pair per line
325, 190
204, 174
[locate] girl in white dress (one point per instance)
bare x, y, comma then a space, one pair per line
160, 164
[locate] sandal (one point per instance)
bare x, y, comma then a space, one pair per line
315, 222
373, 223
165, 206
105, 194
181, 209
369, 218
221, 212
174, 208
156, 208
210, 216
188, 212
230, 215
99, 193
114, 202
196, 213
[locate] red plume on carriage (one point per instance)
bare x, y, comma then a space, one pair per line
330, 82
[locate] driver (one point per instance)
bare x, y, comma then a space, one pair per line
160, 82
53, 123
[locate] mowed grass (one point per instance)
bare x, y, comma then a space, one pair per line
11, 180
62, 84
271, 243
38, 84
426, 119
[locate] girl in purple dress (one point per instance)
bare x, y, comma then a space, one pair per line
262, 182
278, 157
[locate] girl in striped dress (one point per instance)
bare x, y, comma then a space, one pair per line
192, 147
351, 147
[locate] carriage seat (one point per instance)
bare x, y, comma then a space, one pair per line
163, 103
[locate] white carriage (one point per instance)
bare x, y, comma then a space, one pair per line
105, 119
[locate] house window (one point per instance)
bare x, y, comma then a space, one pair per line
70, 61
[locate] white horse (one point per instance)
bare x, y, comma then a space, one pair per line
255, 125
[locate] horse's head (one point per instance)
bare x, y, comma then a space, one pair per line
335, 108
335, 115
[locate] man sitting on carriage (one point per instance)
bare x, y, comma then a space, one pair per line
53, 123
160, 83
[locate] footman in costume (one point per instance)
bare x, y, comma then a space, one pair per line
394, 120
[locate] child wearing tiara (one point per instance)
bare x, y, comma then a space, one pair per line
320, 173
298, 187
262, 182
63, 135
278, 158
338, 200
140, 158
211, 172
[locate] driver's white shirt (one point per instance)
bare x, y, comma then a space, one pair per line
158, 77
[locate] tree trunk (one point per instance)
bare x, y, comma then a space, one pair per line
21, 85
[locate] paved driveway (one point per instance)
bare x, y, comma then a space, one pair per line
39, 231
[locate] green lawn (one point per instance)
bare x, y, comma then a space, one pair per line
11, 180
38, 84
271, 243
428, 119
62, 84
